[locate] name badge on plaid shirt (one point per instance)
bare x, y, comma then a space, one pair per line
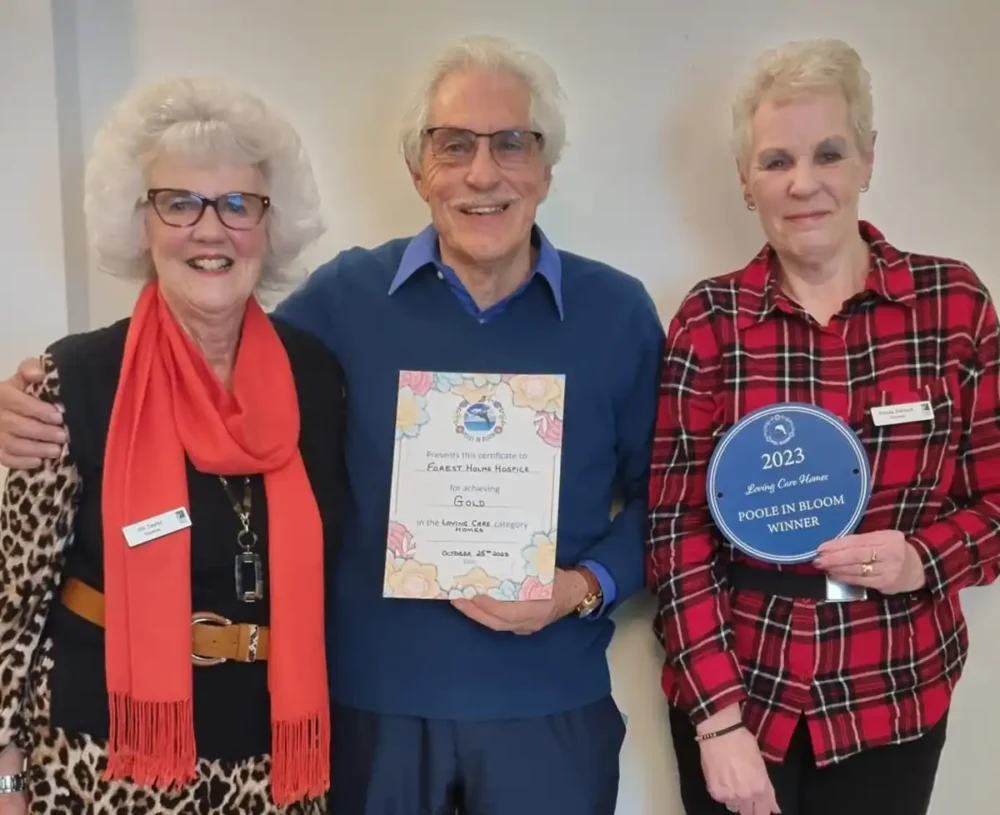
901, 414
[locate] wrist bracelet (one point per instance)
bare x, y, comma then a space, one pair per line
715, 733
11, 783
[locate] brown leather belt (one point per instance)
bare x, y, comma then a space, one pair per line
214, 639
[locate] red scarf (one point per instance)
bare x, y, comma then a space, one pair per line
169, 402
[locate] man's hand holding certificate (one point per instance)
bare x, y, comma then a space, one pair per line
568, 589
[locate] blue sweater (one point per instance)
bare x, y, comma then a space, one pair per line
595, 324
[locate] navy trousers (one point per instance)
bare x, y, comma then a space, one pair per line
400, 765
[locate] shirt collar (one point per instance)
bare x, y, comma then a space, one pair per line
890, 278
423, 250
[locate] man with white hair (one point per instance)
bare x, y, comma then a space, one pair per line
481, 705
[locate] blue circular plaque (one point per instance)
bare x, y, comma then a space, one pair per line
785, 479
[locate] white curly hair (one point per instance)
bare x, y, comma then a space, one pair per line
202, 119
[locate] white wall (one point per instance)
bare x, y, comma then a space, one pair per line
646, 183
33, 289
32, 276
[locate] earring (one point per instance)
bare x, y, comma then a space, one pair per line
751, 206
865, 187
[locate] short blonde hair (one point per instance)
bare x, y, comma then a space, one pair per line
204, 120
798, 69
498, 55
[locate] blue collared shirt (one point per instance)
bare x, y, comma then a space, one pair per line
425, 250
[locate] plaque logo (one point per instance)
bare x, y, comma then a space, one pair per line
779, 429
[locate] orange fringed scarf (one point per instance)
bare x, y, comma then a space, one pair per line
168, 403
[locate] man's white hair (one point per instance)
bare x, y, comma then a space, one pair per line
500, 56
798, 69
202, 120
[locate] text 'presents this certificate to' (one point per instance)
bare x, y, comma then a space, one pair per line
475, 486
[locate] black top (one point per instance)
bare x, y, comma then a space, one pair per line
231, 702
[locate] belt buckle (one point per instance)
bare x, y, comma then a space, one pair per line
253, 642
837, 592
208, 618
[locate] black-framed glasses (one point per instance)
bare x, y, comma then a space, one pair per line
236, 210
510, 149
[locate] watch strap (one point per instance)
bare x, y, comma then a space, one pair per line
595, 594
11, 783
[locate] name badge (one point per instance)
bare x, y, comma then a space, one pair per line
901, 414
166, 523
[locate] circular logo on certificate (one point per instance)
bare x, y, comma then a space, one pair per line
479, 421
779, 429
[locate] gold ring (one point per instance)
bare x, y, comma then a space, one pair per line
866, 569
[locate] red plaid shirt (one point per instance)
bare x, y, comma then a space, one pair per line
863, 673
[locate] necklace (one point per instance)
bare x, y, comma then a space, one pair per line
247, 559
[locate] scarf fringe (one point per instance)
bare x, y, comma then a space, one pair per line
151, 743
301, 758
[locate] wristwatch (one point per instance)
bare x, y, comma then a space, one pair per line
594, 597
11, 783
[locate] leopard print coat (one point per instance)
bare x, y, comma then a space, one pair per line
65, 770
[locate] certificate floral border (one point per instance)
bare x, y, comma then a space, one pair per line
541, 393
407, 577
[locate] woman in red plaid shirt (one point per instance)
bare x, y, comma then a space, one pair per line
780, 700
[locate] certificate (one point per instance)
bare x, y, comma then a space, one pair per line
474, 504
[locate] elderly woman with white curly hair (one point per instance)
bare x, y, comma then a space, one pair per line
161, 610
823, 685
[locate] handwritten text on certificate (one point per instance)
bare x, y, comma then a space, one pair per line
475, 486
